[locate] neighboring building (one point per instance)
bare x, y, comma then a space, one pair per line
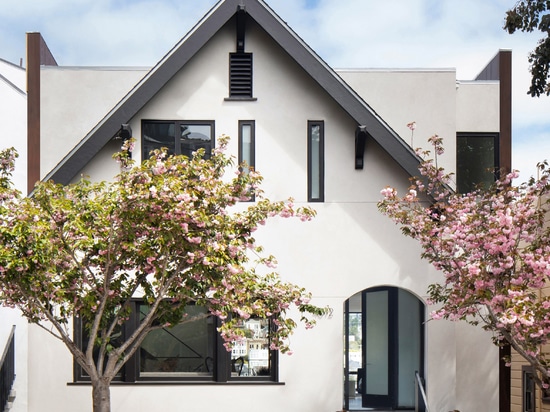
526, 396
13, 118
331, 139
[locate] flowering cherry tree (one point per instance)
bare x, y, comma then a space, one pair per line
170, 231
492, 246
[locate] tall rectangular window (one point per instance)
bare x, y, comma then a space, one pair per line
179, 137
247, 146
315, 161
247, 143
477, 160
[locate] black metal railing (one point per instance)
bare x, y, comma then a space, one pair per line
420, 401
7, 369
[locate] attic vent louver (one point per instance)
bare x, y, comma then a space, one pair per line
240, 75
240, 63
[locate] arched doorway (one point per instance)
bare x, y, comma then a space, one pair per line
384, 347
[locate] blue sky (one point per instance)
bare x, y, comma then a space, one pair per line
463, 34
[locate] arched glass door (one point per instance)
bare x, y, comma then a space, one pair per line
384, 348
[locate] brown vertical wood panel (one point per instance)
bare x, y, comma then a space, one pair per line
505, 77
33, 109
505, 150
38, 54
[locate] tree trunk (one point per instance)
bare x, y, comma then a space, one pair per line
101, 395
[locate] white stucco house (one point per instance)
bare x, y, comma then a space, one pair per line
329, 138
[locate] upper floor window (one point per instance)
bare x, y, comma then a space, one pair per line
247, 144
192, 351
179, 136
315, 161
477, 160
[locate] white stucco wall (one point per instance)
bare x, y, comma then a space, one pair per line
13, 117
348, 247
72, 101
477, 106
424, 96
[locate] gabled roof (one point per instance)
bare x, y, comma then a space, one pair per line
184, 51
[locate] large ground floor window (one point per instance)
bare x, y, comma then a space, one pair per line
192, 351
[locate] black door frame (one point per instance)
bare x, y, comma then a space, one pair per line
390, 400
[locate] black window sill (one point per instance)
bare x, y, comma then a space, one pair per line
240, 99
179, 383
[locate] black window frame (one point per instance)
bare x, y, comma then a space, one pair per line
528, 389
320, 160
221, 360
461, 185
177, 125
252, 161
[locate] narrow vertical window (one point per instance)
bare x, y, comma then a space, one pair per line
247, 146
246, 143
315, 161
528, 390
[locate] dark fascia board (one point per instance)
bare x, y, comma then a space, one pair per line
213, 21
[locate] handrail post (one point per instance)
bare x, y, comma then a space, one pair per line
416, 389
420, 401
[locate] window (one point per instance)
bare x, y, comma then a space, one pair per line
477, 161
315, 161
247, 144
179, 137
186, 350
528, 389
240, 75
192, 351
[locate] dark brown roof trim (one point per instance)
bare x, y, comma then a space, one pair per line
96, 139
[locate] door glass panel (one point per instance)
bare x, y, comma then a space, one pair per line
408, 345
377, 348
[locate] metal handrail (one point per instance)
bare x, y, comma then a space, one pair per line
420, 401
7, 369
